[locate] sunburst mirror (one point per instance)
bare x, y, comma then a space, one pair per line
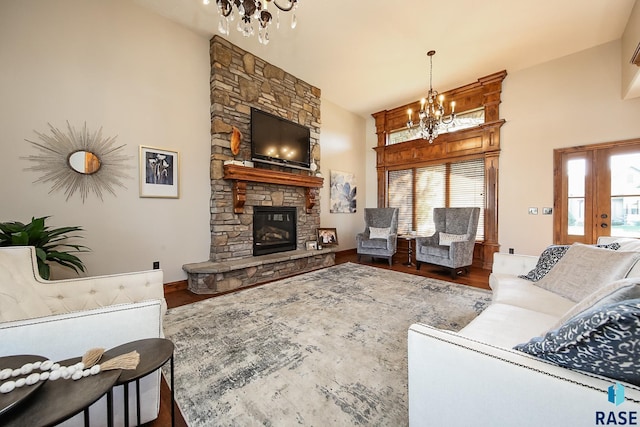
80, 161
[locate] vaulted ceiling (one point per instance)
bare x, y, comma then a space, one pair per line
369, 55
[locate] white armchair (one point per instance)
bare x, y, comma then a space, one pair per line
64, 318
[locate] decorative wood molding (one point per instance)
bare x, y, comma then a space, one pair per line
480, 141
239, 196
485, 93
635, 59
310, 194
474, 141
242, 174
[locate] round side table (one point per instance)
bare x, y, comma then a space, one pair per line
154, 353
11, 400
409, 238
57, 401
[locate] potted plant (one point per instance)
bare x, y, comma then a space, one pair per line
47, 241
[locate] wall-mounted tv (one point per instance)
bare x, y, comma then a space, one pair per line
279, 141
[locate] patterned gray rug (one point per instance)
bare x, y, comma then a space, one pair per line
324, 348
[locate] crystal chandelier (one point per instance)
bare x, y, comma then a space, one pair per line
431, 113
249, 11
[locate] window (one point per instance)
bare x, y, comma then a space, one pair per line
475, 136
431, 188
401, 197
415, 192
464, 120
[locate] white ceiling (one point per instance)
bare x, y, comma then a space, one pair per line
367, 56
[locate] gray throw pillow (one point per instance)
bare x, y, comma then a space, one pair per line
551, 255
601, 340
617, 291
583, 269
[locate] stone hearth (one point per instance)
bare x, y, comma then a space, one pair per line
216, 277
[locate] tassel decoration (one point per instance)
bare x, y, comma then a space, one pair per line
92, 356
124, 361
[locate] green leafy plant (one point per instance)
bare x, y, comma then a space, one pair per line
47, 241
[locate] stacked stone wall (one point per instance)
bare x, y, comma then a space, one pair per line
239, 81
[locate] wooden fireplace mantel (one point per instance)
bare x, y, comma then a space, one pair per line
242, 174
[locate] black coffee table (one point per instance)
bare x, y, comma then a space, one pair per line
57, 401
154, 353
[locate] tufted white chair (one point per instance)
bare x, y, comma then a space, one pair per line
24, 294
59, 319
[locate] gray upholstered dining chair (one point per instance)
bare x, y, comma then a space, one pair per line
380, 236
452, 244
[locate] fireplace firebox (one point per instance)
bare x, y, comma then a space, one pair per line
274, 229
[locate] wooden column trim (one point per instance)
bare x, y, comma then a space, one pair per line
491, 245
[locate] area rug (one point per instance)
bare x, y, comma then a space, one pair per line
323, 348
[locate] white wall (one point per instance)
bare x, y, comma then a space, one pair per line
342, 148
571, 101
140, 77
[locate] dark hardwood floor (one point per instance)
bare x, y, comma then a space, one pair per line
477, 277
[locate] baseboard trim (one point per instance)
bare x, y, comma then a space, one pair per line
346, 252
180, 285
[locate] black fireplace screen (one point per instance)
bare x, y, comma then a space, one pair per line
274, 229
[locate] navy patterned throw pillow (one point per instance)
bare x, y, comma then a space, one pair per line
613, 246
600, 340
547, 260
551, 255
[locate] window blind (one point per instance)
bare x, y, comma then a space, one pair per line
430, 193
400, 190
415, 192
466, 188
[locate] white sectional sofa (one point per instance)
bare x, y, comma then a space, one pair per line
65, 318
475, 378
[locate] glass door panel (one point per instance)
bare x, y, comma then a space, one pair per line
625, 194
576, 175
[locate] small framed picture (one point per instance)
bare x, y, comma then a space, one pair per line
547, 211
158, 173
312, 245
327, 236
533, 211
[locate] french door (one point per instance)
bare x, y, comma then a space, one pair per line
597, 192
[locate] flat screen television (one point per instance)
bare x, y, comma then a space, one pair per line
279, 141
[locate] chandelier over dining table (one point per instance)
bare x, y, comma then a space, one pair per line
253, 11
431, 114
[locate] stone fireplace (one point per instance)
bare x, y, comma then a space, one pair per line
239, 81
274, 229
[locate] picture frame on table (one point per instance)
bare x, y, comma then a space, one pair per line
159, 173
327, 237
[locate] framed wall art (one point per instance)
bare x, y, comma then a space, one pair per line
159, 172
327, 237
343, 192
